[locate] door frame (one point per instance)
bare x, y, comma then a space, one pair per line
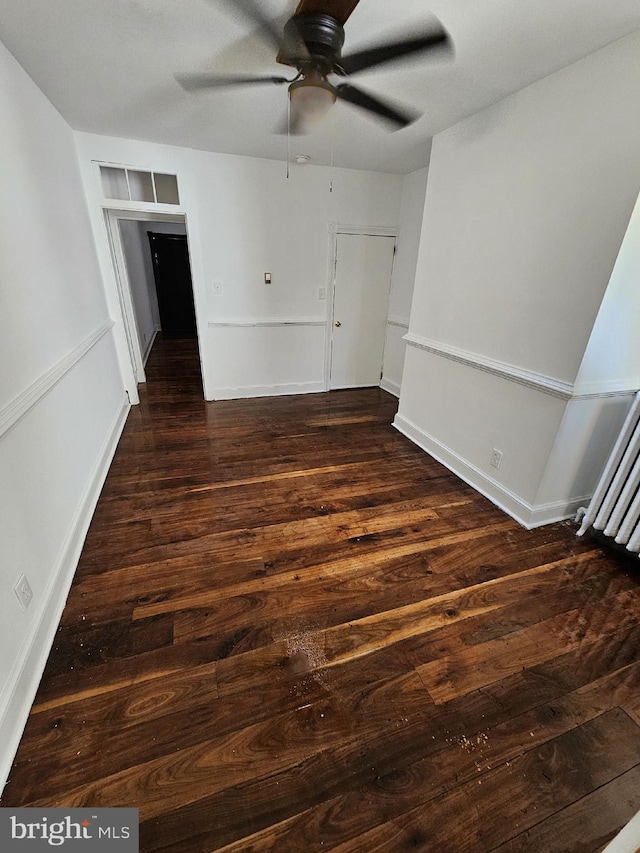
123, 286
336, 228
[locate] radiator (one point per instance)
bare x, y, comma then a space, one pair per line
615, 505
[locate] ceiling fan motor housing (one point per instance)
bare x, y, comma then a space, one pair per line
312, 43
322, 34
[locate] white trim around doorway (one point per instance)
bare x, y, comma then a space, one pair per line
336, 228
125, 300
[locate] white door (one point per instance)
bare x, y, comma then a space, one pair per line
360, 305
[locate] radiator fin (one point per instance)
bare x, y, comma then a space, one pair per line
615, 505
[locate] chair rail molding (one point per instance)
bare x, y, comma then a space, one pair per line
364, 230
14, 411
251, 323
402, 322
537, 381
593, 390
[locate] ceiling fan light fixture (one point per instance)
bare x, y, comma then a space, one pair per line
312, 97
311, 43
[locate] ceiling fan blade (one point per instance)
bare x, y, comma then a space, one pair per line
198, 82
338, 9
286, 44
436, 39
358, 98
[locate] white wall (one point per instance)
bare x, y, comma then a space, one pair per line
143, 236
582, 444
608, 376
414, 187
244, 218
612, 358
57, 355
526, 206
255, 221
142, 287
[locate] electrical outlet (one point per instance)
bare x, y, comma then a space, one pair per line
322, 293
496, 458
23, 591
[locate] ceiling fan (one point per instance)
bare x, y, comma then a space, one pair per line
312, 42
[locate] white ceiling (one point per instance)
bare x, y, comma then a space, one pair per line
108, 66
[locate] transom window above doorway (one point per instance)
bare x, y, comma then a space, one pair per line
119, 182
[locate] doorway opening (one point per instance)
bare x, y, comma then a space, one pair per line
150, 255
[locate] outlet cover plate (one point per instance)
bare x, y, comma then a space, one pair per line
23, 591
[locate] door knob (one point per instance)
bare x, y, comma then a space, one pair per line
338, 323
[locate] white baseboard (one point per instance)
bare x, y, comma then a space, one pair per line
542, 514
524, 513
391, 387
152, 340
25, 676
487, 486
266, 390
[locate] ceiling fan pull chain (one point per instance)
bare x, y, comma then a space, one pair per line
333, 139
288, 135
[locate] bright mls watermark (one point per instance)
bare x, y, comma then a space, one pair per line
80, 830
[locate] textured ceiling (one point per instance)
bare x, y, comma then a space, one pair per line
108, 66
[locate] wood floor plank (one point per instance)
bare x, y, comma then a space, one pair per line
348, 588
88, 644
492, 661
104, 596
540, 783
633, 709
245, 542
335, 591
74, 686
282, 741
565, 673
341, 568
445, 759
359, 637
587, 825
327, 602
540, 605
308, 488
292, 630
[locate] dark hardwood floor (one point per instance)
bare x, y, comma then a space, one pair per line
293, 631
